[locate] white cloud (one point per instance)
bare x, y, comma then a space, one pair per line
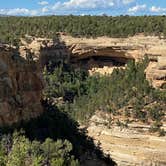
43, 3
157, 9
75, 6
45, 9
83, 4
137, 8
127, 1
18, 11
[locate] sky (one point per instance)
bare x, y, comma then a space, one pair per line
82, 7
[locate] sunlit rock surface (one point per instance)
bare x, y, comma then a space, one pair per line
128, 146
120, 50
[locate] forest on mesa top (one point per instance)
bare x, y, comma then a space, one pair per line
12, 28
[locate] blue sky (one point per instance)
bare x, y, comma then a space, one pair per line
82, 7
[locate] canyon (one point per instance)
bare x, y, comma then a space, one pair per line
21, 86
102, 54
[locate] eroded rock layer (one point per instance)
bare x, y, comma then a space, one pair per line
120, 50
156, 72
128, 146
103, 54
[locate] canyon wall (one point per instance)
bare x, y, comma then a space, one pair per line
103, 54
21, 82
20, 86
121, 50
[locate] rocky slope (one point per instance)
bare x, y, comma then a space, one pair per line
128, 146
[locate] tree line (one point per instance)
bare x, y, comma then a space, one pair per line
12, 28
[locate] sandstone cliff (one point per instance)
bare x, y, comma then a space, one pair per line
21, 80
20, 87
121, 50
102, 54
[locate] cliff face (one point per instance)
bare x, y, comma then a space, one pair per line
103, 54
156, 72
117, 51
20, 87
134, 144
21, 81
44, 50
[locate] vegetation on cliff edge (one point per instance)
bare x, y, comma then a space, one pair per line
12, 28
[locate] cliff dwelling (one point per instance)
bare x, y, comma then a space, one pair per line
99, 64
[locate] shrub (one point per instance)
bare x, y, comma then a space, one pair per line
24, 152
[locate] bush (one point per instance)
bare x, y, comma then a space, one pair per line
156, 113
21, 151
162, 133
155, 127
